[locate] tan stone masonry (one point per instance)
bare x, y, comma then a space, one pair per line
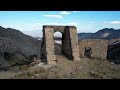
70, 46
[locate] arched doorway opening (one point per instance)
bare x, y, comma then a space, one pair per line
58, 42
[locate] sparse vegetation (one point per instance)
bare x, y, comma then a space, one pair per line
65, 69
13, 60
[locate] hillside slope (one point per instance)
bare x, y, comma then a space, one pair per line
66, 69
17, 48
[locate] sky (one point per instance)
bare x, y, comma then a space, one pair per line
31, 22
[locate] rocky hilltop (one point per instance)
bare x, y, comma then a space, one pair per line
106, 33
17, 48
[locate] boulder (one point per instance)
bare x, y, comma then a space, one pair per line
4, 65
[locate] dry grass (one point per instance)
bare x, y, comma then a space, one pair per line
66, 69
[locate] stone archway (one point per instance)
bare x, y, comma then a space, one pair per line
58, 43
70, 47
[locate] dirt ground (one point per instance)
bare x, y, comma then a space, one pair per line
65, 69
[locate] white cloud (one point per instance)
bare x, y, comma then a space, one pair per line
24, 27
35, 29
76, 11
112, 22
7, 25
69, 24
54, 16
64, 12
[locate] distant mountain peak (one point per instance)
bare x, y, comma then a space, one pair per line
105, 33
2, 27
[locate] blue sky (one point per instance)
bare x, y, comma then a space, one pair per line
31, 22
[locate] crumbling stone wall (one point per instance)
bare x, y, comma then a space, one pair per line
98, 48
70, 47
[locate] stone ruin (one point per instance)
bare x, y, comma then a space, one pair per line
93, 48
70, 46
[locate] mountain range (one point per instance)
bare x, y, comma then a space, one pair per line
106, 33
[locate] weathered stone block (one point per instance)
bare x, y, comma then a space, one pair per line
51, 58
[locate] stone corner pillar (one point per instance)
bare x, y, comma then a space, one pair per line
49, 44
74, 43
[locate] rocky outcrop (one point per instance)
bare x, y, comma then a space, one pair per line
17, 47
3, 64
114, 51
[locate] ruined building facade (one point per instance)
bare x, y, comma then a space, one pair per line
93, 48
70, 46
